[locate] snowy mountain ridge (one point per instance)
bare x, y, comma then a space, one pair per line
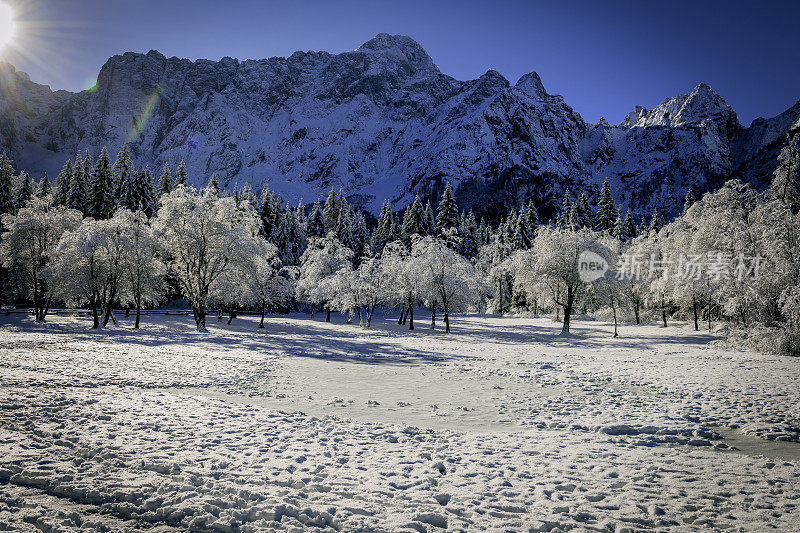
380, 122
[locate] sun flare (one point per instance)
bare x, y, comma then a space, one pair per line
8, 26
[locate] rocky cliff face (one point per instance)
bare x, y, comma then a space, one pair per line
383, 121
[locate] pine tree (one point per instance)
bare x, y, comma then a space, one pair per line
181, 177
44, 188
269, 212
690, 200
24, 191
316, 222
384, 230
6, 184
359, 242
469, 232
165, 181
78, 197
656, 223
331, 211
606, 209
619, 227
123, 170
63, 181
585, 217
413, 221
563, 218
529, 220
447, 217
102, 189
139, 195
785, 184
213, 186
630, 229
429, 227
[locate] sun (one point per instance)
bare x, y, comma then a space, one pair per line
8, 26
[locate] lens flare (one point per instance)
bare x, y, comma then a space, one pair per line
140, 121
8, 26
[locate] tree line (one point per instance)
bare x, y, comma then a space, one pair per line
105, 235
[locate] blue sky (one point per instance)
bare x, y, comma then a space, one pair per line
604, 57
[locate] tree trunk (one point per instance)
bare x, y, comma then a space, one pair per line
95, 316
261, 324
500, 299
433, 316
200, 317
636, 311
664, 316
614, 310
369, 315
446, 321
138, 315
694, 308
219, 314
567, 310
410, 315
402, 315
231, 315
327, 314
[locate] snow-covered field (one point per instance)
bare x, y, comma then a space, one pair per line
500, 425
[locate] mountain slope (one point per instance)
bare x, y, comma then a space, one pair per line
383, 121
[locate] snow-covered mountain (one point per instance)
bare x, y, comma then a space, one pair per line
383, 121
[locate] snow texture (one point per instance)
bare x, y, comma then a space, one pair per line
501, 425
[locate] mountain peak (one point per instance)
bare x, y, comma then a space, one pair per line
531, 84
386, 41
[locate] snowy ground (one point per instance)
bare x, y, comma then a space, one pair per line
500, 425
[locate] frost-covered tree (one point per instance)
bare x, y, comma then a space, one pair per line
386, 230
406, 285
144, 270
785, 184
322, 258
139, 194
27, 246
359, 290
455, 282
89, 265
583, 212
555, 260
261, 281
413, 222
269, 211
204, 235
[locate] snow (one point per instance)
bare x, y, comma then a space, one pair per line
500, 425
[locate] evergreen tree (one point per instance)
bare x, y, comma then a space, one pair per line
690, 200
413, 221
447, 217
139, 194
529, 221
331, 211
316, 222
289, 238
384, 231
785, 184
359, 242
629, 228
122, 170
6, 184
469, 232
563, 218
44, 188
606, 209
656, 223
78, 197
181, 177
619, 227
585, 217
24, 191
102, 189
429, 227
269, 212
213, 186
63, 181
165, 181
